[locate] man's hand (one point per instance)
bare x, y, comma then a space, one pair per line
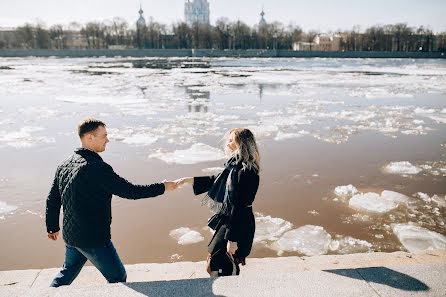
170, 185
53, 236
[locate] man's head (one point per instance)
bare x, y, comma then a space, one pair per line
93, 134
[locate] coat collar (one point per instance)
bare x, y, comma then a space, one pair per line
83, 151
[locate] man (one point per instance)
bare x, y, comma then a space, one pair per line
84, 185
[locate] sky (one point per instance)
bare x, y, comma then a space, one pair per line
320, 15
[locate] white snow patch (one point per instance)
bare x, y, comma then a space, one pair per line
185, 235
415, 238
197, 153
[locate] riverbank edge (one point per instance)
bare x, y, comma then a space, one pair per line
210, 53
149, 272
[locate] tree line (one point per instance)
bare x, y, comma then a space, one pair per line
224, 35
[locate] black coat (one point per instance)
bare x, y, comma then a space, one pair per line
239, 225
84, 185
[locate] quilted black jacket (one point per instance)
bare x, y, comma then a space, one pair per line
84, 185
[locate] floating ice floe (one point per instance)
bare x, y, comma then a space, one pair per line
6, 208
403, 167
308, 240
176, 257
415, 238
185, 235
197, 153
212, 170
373, 202
24, 137
279, 235
440, 201
138, 136
345, 191
282, 135
269, 228
349, 245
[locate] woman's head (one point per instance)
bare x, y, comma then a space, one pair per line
241, 144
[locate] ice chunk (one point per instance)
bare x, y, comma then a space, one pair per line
415, 238
376, 203
269, 228
350, 245
185, 235
440, 201
213, 170
441, 119
345, 191
403, 167
24, 137
282, 135
197, 153
6, 208
308, 240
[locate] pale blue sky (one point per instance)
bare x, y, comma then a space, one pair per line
323, 15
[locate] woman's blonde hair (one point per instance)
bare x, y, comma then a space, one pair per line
246, 151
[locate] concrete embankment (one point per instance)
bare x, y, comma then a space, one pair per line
201, 53
371, 274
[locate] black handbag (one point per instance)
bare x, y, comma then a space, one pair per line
213, 221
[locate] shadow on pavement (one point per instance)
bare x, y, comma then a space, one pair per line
184, 287
385, 276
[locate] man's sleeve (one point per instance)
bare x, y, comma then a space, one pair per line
114, 184
53, 204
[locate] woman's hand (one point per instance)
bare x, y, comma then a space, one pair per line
185, 180
231, 248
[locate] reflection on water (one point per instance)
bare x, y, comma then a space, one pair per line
324, 127
198, 98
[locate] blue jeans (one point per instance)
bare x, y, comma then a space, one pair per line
105, 259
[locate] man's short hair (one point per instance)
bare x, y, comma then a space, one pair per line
88, 125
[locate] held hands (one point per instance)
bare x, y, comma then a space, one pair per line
173, 185
185, 180
53, 236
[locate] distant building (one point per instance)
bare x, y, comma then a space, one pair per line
321, 42
262, 19
196, 11
141, 22
305, 46
328, 43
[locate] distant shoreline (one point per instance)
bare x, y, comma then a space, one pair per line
209, 53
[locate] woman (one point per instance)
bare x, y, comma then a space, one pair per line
230, 195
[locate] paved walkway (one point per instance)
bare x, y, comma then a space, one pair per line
374, 274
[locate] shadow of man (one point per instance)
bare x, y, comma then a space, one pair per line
184, 287
385, 276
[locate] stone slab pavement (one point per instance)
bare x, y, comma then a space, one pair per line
373, 274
